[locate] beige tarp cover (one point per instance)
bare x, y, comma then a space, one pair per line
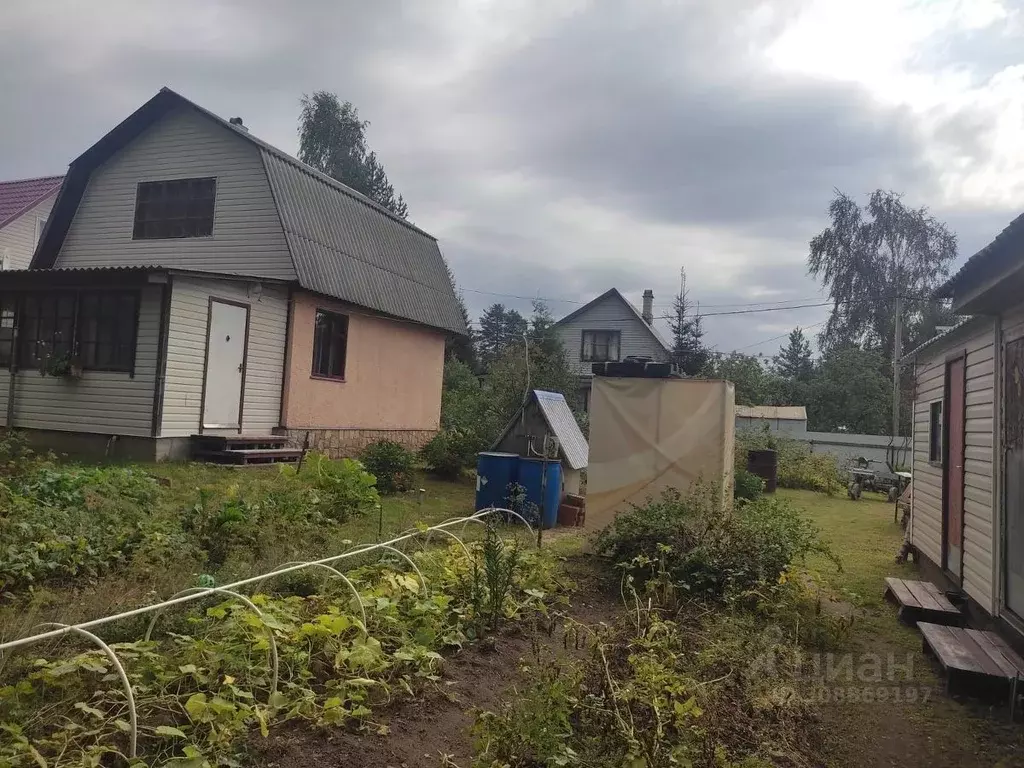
651, 434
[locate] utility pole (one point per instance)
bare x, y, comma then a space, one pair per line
897, 352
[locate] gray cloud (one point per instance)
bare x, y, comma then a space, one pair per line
518, 151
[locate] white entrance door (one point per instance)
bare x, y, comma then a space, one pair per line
225, 364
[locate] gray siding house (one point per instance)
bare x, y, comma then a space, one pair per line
967, 520
24, 209
610, 328
191, 275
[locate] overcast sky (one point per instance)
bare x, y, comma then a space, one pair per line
557, 149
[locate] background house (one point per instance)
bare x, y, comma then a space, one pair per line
609, 328
967, 520
202, 281
24, 209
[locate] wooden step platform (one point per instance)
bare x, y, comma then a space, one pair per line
922, 601
244, 449
976, 663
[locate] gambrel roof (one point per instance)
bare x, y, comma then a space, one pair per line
342, 244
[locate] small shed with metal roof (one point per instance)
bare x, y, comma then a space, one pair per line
546, 426
789, 420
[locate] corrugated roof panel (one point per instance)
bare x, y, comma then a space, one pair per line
784, 412
564, 426
346, 248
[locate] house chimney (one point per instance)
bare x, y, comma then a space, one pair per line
648, 313
237, 121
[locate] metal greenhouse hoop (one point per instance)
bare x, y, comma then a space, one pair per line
133, 716
313, 564
220, 590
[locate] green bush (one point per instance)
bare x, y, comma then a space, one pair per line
343, 489
391, 463
449, 452
747, 485
698, 548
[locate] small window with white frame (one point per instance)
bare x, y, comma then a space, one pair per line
935, 432
40, 227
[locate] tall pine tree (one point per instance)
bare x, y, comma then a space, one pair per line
688, 350
793, 362
499, 329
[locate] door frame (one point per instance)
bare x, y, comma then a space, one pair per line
953, 357
206, 357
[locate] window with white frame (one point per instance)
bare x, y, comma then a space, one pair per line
40, 226
600, 346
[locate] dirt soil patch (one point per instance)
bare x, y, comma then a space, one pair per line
422, 731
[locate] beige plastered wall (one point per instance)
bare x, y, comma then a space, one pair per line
393, 373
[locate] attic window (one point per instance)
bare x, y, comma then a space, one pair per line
600, 346
173, 209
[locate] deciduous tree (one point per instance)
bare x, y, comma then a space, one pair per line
332, 139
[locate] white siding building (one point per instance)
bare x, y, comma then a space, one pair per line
610, 328
24, 210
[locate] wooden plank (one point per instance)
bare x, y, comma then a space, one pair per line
947, 648
981, 657
1008, 652
924, 599
984, 640
899, 590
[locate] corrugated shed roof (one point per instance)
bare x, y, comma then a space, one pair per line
558, 416
784, 412
563, 425
20, 196
1002, 246
345, 248
342, 244
938, 337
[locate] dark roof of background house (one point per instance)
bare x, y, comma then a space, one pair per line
990, 259
614, 292
20, 196
342, 244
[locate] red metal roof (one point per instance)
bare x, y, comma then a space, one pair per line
17, 197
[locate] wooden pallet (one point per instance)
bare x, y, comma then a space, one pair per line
976, 663
244, 449
251, 456
922, 601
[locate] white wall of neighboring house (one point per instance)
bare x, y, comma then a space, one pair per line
18, 239
609, 314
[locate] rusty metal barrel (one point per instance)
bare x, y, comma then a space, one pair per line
765, 464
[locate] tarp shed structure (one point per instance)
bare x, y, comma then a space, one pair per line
546, 415
650, 434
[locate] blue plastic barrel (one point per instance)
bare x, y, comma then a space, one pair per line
531, 476
494, 473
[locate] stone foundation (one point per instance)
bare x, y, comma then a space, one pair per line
346, 443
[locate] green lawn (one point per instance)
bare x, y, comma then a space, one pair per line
938, 732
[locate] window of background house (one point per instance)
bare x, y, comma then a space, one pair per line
6, 330
178, 208
599, 346
935, 431
330, 339
40, 226
101, 333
